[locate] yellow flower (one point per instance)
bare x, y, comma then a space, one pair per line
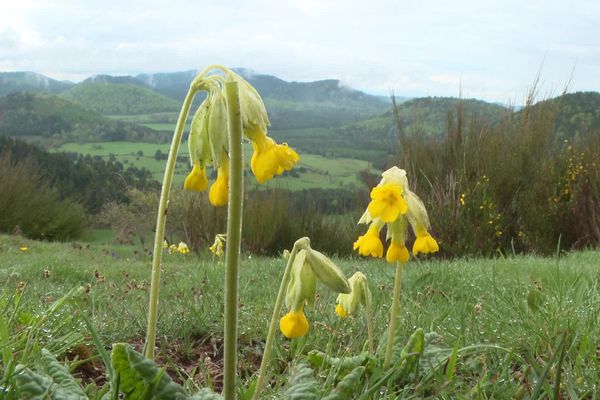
369, 244
387, 202
339, 309
397, 252
183, 248
269, 158
424, 243
196, 180
294, 324
217, 247
220, 189
24, 248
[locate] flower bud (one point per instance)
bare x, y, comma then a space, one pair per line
302, 285
360, 295
327, 272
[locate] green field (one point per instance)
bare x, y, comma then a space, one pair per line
520, 325
313, 171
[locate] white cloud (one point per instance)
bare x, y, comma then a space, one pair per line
414, 48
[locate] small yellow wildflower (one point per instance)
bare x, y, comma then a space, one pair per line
183, 248
173, 249
217, 246
387, 202
294, 324
24, 249
196, 180
220, 189
369, 244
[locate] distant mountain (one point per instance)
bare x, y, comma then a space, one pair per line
291, 105
11, 82
119, 96
373, 138
46, 116
576, 113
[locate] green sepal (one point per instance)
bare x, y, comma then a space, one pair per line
327, 271
218, 130
302, 285
199, 141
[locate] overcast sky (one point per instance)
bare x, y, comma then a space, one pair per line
416, 48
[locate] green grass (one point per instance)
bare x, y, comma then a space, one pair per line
313, 171
506, 315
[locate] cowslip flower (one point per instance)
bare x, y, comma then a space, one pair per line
208, 141
394, 205
308, 267
183, 248
360, 295
217, 246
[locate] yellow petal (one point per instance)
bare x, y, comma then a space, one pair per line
196, 179
397, 252
294, 324
339, 310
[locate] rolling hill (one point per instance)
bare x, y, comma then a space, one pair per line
47, 116
119, 97
11, 82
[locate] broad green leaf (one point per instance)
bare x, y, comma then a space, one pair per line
302, 385
60, 375
347, 388
206, 394
318, 358
34, 386
406, 358
139, 378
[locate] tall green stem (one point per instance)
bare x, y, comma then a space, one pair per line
393, 316
161, 220
264, 364
369, 316
234, 238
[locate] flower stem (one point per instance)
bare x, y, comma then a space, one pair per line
234, 238
264, 364
393, 316
369, 316
161, 221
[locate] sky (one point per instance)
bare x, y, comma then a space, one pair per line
490, 50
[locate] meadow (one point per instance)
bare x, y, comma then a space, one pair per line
507, 327
313, 171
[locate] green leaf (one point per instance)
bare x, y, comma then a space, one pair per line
60, 375
451, 366
139, 378
318, 358
34, 386
206, 394
302, 385
347, 388
406, 358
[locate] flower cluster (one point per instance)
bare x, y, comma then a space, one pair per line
308, 267
208, 141
395, 205
182, 248
217, 246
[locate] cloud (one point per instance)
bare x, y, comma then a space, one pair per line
418, 48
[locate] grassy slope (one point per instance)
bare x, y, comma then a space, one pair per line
314, 171
465, 302
119, 99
